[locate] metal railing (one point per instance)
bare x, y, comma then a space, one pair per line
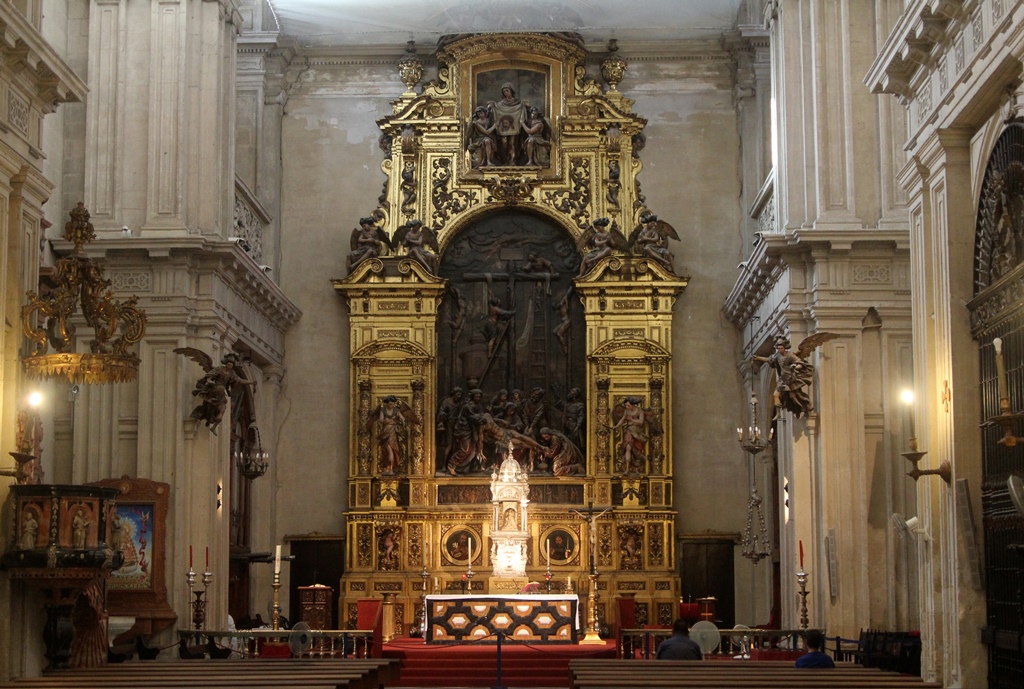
252, 643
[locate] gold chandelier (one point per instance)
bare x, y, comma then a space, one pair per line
78, 279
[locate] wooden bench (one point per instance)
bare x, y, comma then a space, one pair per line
369, 673
667, 674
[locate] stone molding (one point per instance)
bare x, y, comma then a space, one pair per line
25, 52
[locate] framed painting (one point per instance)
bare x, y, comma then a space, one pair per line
562, 545
137, 528
459, 545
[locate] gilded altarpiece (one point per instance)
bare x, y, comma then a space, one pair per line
510, 286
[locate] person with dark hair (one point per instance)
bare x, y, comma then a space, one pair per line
679, 646
815, 656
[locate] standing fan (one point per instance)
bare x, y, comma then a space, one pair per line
706, 635
1015, 485
299, 640
744, 640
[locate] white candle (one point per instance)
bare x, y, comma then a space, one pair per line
547, 551
1001, 373
469, 553
277, 561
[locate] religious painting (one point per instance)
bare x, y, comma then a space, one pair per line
561, 545
459, 545
510, 125
131, 533
136, 526
511, 338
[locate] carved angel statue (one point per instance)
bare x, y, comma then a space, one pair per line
795, 373
482, 143
391, 417
599, 241
368, 241
214, 388
537, 146
637, 424
650, 238
420, 243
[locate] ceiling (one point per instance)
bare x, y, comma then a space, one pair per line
323, 23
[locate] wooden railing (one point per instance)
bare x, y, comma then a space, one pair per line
642, 643
253, 643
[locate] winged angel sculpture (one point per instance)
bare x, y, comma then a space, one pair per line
795, 373
214, 388
390, 417
420, 243
368, 241
599, 241
650, 238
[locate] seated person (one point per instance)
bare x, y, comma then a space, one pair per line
679, 646
815, 656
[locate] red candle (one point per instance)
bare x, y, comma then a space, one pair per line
190, 557
801, 554
207, 558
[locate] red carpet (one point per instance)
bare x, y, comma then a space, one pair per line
475, 665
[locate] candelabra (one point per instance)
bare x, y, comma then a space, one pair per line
424, 575
755, 544
801, 580
1005, 417
593, 635
251, 459
277, 600
197, 603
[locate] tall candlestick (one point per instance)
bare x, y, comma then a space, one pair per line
277, 561
1001, 372
190, 557
547, 551
801, 554
469, 554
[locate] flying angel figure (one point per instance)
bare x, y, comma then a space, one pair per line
391, 417
214, 388
420, 243
795, 373
599, 241
650, 238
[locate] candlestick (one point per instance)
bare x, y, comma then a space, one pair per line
277, 560
190, 557
739, 434
547, 551
469, 554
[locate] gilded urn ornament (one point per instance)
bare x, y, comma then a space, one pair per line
613, 67
410, 67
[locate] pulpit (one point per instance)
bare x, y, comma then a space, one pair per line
315, 606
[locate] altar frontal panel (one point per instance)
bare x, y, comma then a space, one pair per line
480, 619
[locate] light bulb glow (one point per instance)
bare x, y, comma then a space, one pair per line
35, 399
907, 396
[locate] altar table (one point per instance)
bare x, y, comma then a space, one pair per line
536, 618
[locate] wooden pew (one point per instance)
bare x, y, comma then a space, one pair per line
667, 674
335, 673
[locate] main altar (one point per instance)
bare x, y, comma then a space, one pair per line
510, 295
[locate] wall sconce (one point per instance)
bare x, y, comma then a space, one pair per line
219, 489
914, 455
27, 470
1005, 418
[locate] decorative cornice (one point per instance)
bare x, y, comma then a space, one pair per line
24, 50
